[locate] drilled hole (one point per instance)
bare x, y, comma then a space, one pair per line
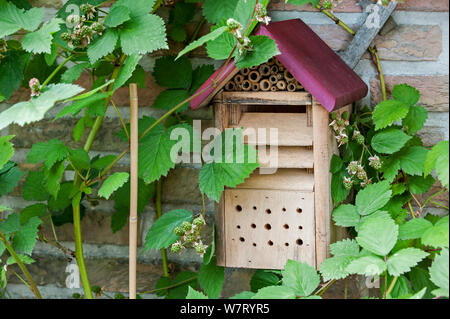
242, 239
253, 226
268, 211
286, 226
299, 242
299, 210
270, 243
254, 244
283, 210
286, 244
300, 227
254, 207
238, 227
267, 226
239, 208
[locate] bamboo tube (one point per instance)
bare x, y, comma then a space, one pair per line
292, 87
288, 76
281, 85
265, 85
254, 76
274, 69
239, 79
246, 85
279, 76
271, 62
273, 79
278, 62
264, 70
256, 87
133, 188
245, 71
230, 86
299, 86
273, 88
253, 68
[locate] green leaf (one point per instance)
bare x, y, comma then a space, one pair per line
74, 73
36, 210
79, 105
215, 11
442, 165
64, 199
420, 279
434, 154
419, 184
336, 165
345, 248
302, 2
367, 266
80, 159
6, 149
11, 224
117, 15
389, 141
300, 277
177, 33
199, 76
275, 292
137, 7
11, 74
194, 294
335, 267
416, 118
221, 47
346, 216
34, 187
168, 99
244, 295
13, 19
50, 58
338, 191
54, 176
438, 235
25, 239
40, 41
263, 278
112, 183
173, 74
78, 130
388, 112
199, 42
390, 167
405, 93
373, 198
139, 77
127, 70
50, 152
35, 109
10, 175
182, 13
181, 290
403, 260
263, 48
211, 278
378, 235
414, 228
439, 274
412, 160
143, 34
161, 233
103, 45
23, 258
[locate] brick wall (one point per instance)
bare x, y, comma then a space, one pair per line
416, 52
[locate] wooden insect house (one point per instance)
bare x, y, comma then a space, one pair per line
271, 218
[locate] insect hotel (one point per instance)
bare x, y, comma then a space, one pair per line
271, 218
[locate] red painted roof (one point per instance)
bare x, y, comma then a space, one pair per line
309, 59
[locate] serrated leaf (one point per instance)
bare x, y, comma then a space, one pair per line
403, 260
301, 278
199, 42
35, 109
388, 112
74, 73
64, 199
13, 19
438, 235
338, 191
178, 34
263, 278
419, 184
389, 141
244, 295
161, 233
103, 45
345, 248
11, 74
211, 278
25, 239
221, 47
442, 165
137, 7
173, 74
54, 176
10, 175
439, 272
127, 70
373, 198
302, 2
168, 99
36, 210
412, 160
194, 294
215, 11
112, 183
6, 149
263, 48
117, 15
199, 76
414, 228
416, 118
182, 13
180, 291
40, 41
367, 266
406, 94
77, 106
78, 130
23, 258
378, 235
346, 216
49, 152
34, 187
335, 267
50, 58
434, 154
11, 224
390, 167
275, 292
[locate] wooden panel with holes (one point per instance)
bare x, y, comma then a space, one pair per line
265, 228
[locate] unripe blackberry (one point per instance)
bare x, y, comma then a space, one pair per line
360, 139
340, 122
176, 248
198, 222
66, 36
352, 167
98, 27
187, 226
179, 231
348, 183
76, 42
190, 238
361, 175
375, 162
200, 248
327, 4
345, 115
333, 116
85, 8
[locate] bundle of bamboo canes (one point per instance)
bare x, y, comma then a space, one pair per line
270, 76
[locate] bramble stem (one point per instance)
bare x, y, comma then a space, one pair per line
55, 71
391, 286
171, 286
373, 50
336, 20
158, 204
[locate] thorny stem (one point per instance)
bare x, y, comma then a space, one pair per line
55, 71
121, 120
22, 266
57, 245
411, 210
158, 204
325, 287
373, 50
335, 19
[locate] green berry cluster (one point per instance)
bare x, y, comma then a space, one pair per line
3, 48
189, 234
339, 125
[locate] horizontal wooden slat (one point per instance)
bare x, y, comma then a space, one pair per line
261, 98
287, 157
292, 128
283, 179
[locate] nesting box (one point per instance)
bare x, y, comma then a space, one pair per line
271, 218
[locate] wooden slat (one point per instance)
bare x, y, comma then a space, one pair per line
267, 98
283, 179
286, 157
265, 228
292, 127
